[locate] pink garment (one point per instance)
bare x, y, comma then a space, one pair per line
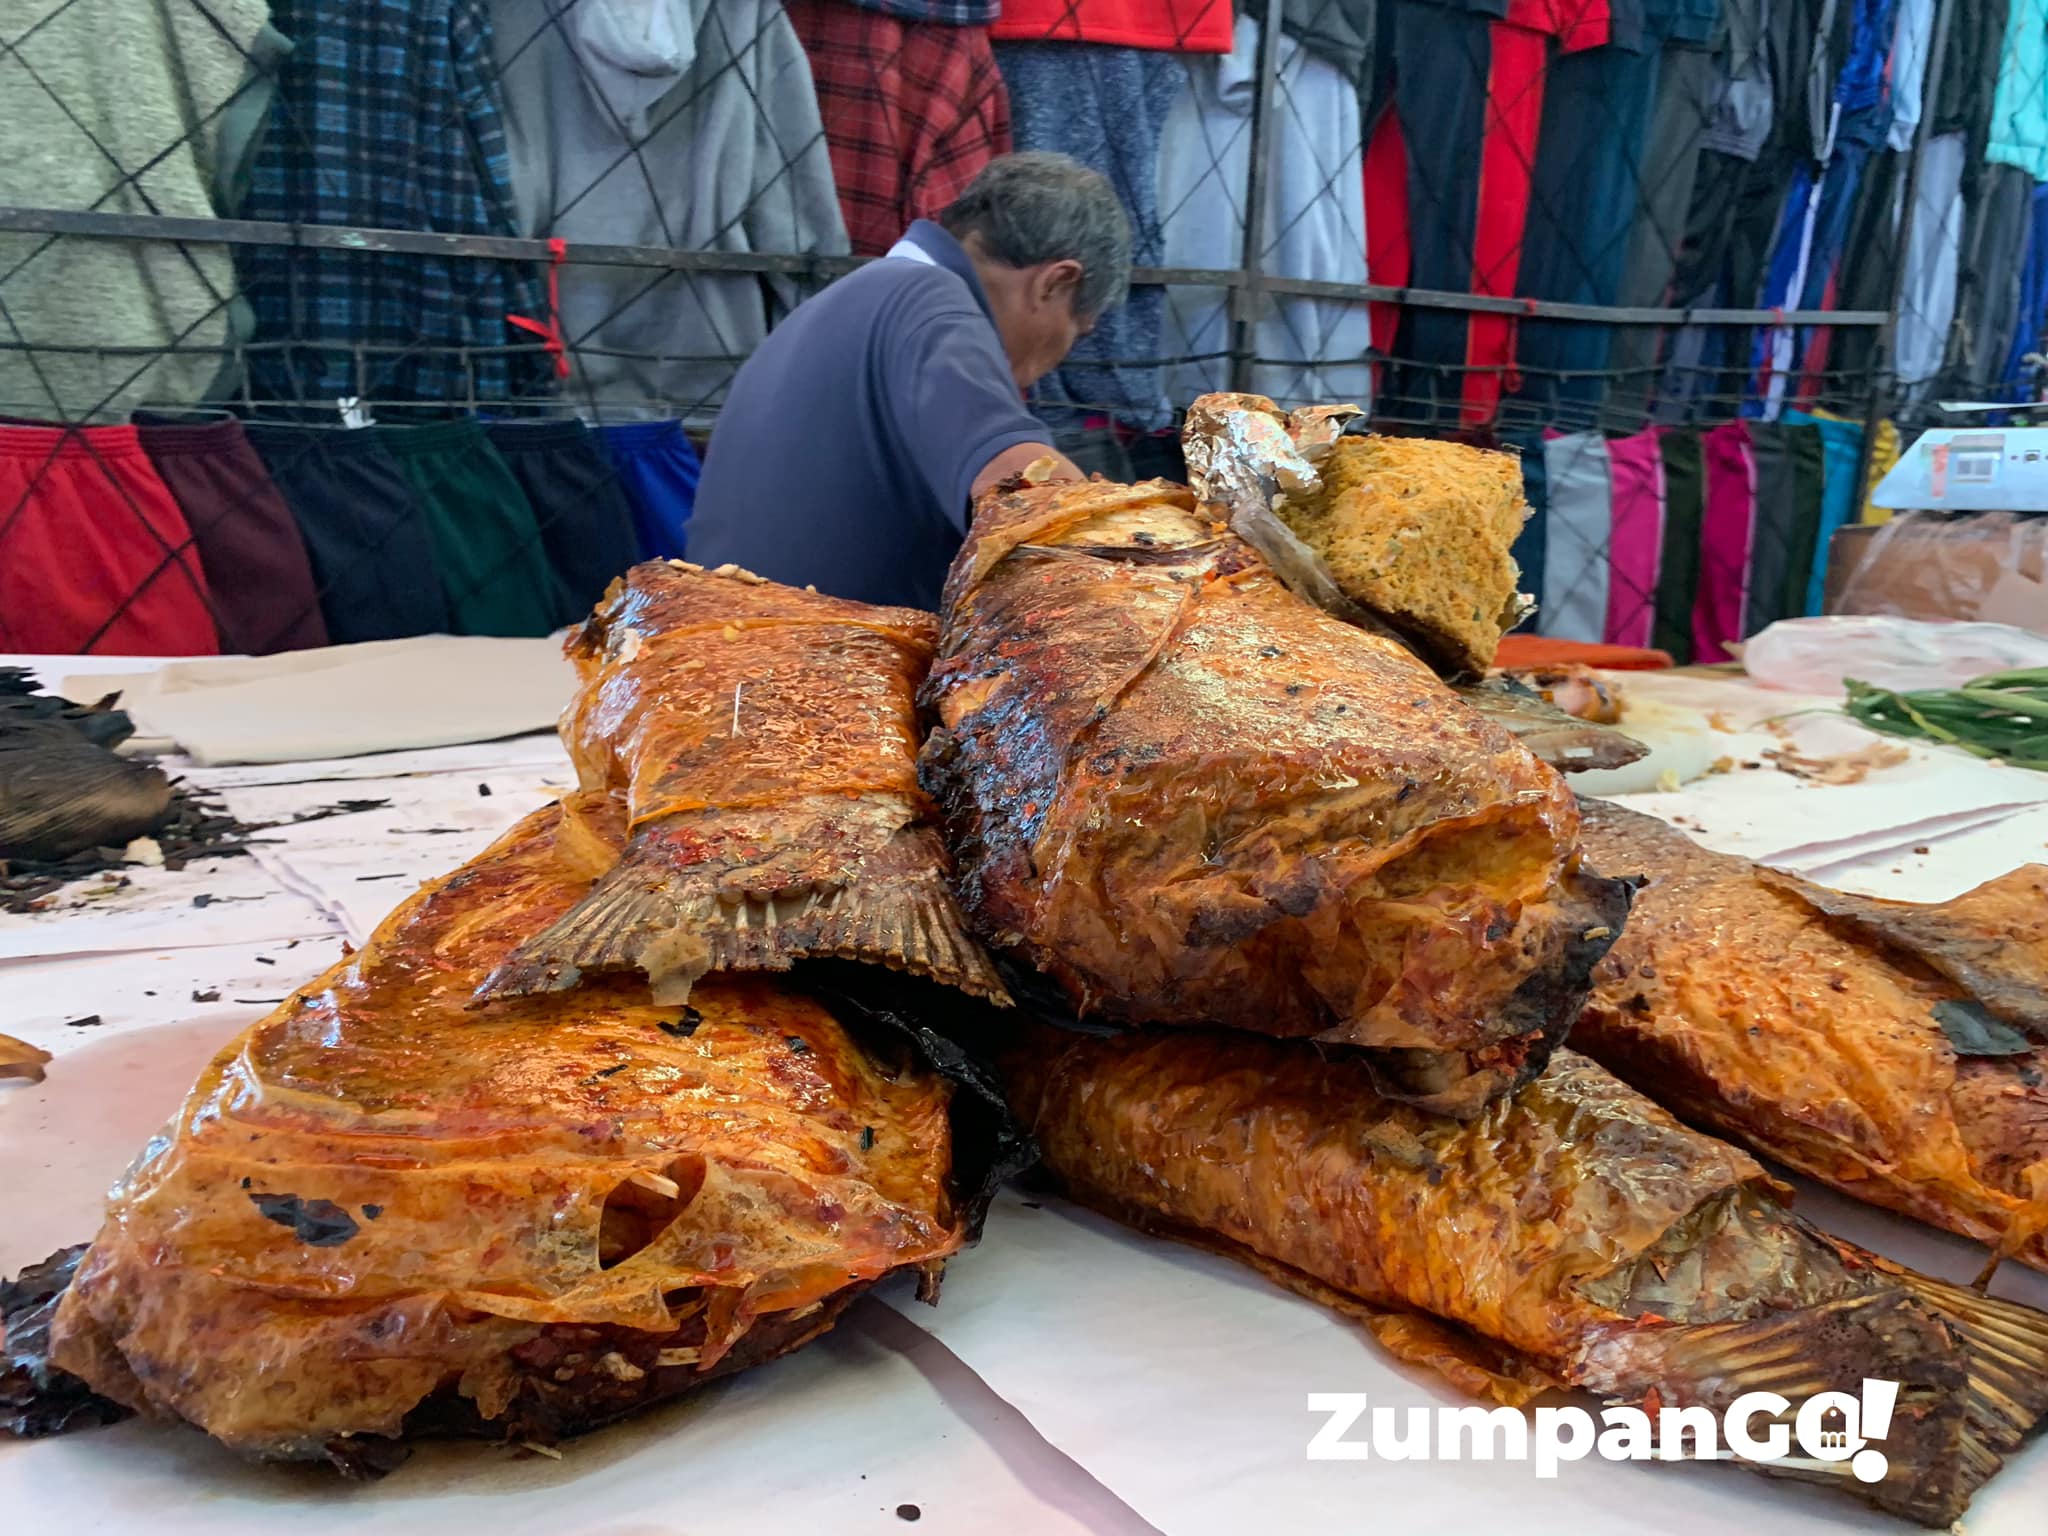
1720, 611
1636, 545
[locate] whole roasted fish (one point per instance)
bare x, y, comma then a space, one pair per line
380, 1213
1191, 797
1737, 1002
1574, 1234
766, 742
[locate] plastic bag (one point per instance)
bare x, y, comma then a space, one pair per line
1815, 655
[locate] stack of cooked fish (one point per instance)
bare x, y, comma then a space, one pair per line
625, 1103
487, 1177
1349, 919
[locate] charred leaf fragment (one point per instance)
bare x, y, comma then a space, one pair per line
1974, 1031
316, 1223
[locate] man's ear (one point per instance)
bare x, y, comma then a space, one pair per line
1058, 282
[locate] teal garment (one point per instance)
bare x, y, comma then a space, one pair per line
2019, 104
487, 542
1842, 450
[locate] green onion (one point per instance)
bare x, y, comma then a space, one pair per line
2003, 715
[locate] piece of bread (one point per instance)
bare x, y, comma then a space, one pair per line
1419, 531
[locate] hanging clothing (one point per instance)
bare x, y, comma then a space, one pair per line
257, 570
1727, 526
1314, 224
1791, 488
1912, 37
1579, 496
387, 116
2019, 102
1470, 93
658, 470
1687, 83
945, 13
1636, 546
684, 123
95, 557
130, 109
1590, 183
1106, 107
2018, 379
1841, 456
1678, 561
586, 527
1988, 300
1531, 549
487, 544
1340, 31
1175, 26
1967, 80
1884, 454
373, 556
1927, 298
912, 113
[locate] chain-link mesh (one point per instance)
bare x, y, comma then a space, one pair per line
1696, 261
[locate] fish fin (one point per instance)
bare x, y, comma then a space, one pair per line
893, 909
626, 923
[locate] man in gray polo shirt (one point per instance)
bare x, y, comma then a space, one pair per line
853, 442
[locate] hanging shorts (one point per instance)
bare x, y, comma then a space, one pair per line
658, 471
264, 595
494, 568
585, 524
373, 557
95, 557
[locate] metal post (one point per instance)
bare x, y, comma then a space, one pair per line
1884, 380
1248, 298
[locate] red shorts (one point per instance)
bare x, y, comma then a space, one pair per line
94, 554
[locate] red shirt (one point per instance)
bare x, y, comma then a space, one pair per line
1174, 26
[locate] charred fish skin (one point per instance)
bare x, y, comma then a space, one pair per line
1744, 1002
1574, 1234
766, 740
1189, 796
379, 1214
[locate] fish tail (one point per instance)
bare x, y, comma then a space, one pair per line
2006, 1346
1970, 1373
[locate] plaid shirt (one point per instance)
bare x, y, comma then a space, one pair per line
387, 116
911, 113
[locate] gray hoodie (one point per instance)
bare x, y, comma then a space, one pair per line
686, 123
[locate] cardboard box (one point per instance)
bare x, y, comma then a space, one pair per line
1991, 566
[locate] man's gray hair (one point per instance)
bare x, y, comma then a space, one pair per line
1038, 207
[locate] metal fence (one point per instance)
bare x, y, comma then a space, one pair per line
1633, 223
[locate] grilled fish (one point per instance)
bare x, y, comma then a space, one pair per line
1735, 1000
766, 742
380, 1213
1189, 796
1991, 942
1574, 1234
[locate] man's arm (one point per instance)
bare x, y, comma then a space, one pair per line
1016, 459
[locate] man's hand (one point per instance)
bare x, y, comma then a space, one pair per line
1014, 461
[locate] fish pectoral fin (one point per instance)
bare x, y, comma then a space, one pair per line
627, 923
